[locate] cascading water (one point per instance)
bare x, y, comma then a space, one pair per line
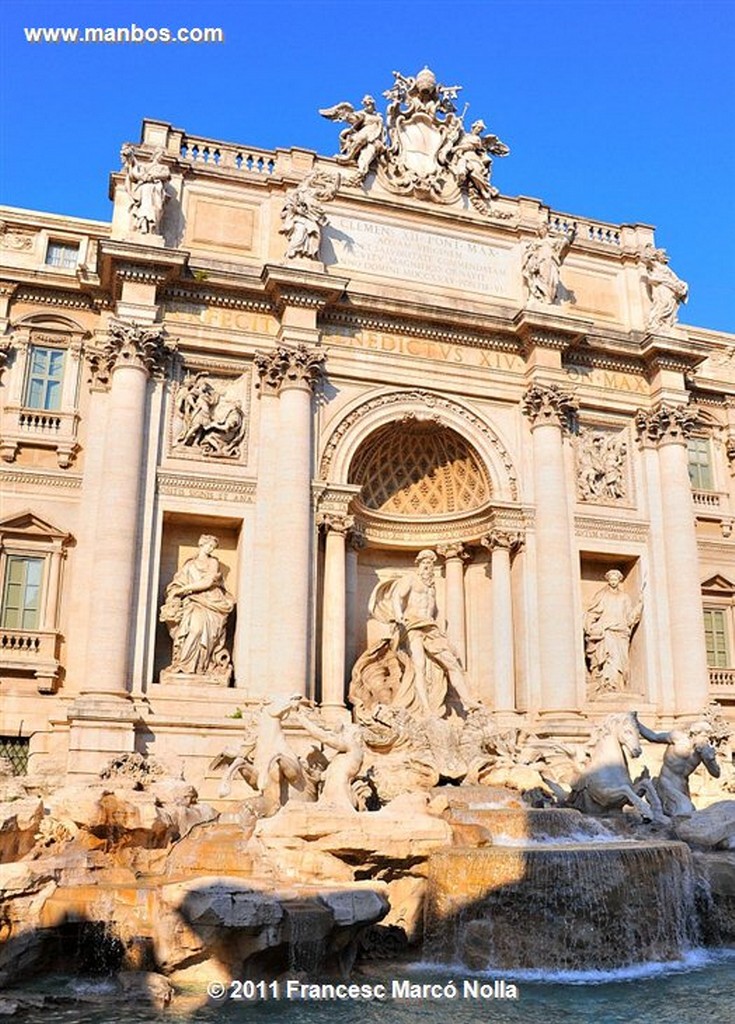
560, 905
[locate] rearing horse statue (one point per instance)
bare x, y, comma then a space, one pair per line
605, 784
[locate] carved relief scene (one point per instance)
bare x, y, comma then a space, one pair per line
209, 417
602, 466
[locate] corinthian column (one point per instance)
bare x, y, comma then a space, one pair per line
501, 544
454, 556
129, 356
549, 408
301, 370
669, 427
334, 616
268, 366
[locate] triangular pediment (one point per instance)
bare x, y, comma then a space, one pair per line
28, 524
719, 583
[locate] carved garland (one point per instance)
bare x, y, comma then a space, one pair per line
424, 399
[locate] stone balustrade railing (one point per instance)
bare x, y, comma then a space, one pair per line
27, 645
722, 680
201, 151
712, 500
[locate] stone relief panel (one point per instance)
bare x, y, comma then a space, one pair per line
209, 417
603, 470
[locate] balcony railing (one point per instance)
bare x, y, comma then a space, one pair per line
33, 652
722, 681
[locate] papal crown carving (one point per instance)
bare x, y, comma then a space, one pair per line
420, 146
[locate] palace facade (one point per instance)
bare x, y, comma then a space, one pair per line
326, 366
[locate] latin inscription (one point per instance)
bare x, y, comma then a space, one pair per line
423, 348
406, 254
226, 319
612, 380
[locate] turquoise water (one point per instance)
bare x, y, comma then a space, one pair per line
701, 990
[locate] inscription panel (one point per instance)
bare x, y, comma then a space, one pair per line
428, 257
422, 348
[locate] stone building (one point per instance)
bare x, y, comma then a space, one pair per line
329, 365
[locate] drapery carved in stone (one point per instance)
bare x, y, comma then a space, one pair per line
286, 364
549, 403
666, 422
602, 460
303, 215
131, 344
148, 189
419, 468
665, 289
210, 416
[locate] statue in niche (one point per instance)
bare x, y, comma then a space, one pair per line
196, 610
147, 187
685, 750
362, 141
212, 419
542, 260
303, 215
667, 291
601, 462
608, 625
414, 664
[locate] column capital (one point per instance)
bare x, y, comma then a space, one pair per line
5, 350
666, 424
130, 344
506, 539
334, 522
288, 366
453, 550
550, 404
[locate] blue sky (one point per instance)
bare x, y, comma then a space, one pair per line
623, 111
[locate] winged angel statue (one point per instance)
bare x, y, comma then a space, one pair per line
422, 147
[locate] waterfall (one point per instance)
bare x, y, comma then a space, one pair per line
566, 906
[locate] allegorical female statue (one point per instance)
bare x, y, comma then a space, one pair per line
608, 625
196, 611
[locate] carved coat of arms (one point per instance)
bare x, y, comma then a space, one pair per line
422, 147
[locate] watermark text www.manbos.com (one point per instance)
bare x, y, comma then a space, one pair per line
124, 34
485, 990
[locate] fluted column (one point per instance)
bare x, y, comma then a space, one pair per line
130, 354
454, 556
549, 408
501, 544
334, 608
302, 369
669, 427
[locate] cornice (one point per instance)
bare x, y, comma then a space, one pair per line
42, 478
194, 485
613, 529
434, 331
